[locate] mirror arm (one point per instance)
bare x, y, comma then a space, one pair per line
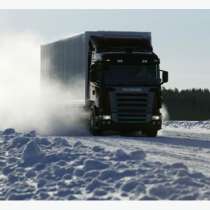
161, 79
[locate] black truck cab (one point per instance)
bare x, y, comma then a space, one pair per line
125, 92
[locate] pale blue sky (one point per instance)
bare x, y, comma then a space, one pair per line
181, 38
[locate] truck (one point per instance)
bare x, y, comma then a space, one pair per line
121, 78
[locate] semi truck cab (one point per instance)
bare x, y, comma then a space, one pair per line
125, 91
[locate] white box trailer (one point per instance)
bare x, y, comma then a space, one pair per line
69, 59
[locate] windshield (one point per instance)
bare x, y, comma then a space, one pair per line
131, 74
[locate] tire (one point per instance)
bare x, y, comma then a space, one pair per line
150, 132
93, 127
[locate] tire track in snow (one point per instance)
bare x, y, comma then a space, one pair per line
193, 149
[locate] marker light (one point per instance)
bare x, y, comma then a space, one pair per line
106, 117
155, 117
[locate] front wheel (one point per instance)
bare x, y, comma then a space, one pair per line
150, 132
94, 127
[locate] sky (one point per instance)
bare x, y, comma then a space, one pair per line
181, 38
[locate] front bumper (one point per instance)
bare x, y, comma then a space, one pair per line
108, 123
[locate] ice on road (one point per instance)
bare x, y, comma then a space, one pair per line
174, 166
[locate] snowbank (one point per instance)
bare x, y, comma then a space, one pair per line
196, 126
34, 167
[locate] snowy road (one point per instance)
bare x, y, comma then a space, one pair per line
172, 145
174, 165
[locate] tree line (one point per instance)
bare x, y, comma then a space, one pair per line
189, 104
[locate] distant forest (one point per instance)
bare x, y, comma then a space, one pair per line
190, 104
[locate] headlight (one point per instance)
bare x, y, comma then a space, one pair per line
156, 117
106, 117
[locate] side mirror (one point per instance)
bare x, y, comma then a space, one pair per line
164, 76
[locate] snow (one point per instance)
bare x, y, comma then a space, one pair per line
121, 155
8, 131
91, 164
32, 153
173, 166
195, 126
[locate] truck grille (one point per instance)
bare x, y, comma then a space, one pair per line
132, 107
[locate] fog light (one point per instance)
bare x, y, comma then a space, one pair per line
106, 117
155, 117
